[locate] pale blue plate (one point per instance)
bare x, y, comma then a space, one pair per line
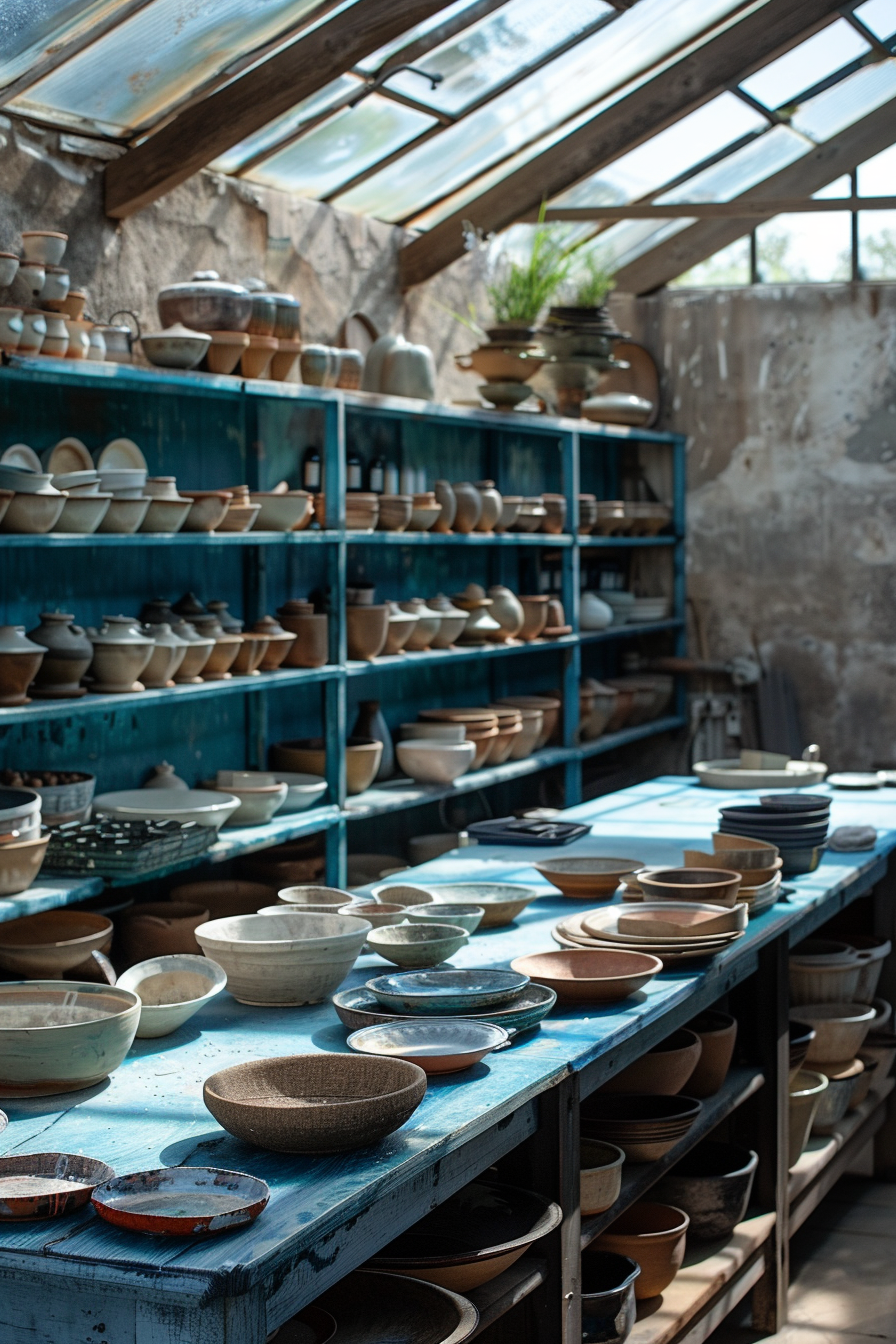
446, 992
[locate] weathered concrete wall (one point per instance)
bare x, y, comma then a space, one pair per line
334, 262
790, 396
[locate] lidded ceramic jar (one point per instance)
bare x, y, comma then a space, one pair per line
401, 627
226, 647
280, 642
68, 655
454, 620
120, 653
507, 611
428, 624
445, 496
481, 626
156, 612
492, 506
189, 607
229, 623
167, 656
196, 655
311, 647
469, 506
20, 660
163, 777
205, 303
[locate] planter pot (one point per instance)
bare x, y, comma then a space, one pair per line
718, 1034
366, 630
712, 1185
653, 1235
311, 631
806, 1091
820, 971
608, 1297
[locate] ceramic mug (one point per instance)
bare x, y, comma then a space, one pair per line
10, 328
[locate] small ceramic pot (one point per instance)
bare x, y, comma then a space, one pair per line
279, 642
718, 1034
249, 655
394, 513
32, 274
492, 506
177, 347
555, 513
159, 929
78, 338
366, 630
445, 497
9, 266
409, 371
469, 506
33, 514
319, 365
20, 661
230, 624
225, 351
226, 647
196, 655
263, 317
55, 343
401, 627
34, 331
653, 1235
311, 647
454, 620
510, 511
287, 322
68, 655
74, 303
167, 656
608, 1297
44, 246
10, 329
286, 360
120, 653
428, 625
507, 611
209, 508
351, 370
57, 282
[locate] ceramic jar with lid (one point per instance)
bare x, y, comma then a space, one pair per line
311, 647
492, 506
205, 303
20, 660
481, 626
446, 498
280, 642
469, 506
226, 647
428, 624
156, 611
68, 655
163, 777
401, 627
229, 623
189, 607
170, 651
120, 653
454, 621
507, 611
196, 655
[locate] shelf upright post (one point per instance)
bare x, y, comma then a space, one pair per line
679, 560
570, 447
254, 587
335, 731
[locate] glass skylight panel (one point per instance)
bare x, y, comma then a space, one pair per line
877, 176
845, 103
779, 82
730, 266
796, 249
877, 244
372, 63
879, 16
283, 127
347, 143
841, 187
624, 50
623, 243
667, 155
496, 49
131, 77
29, 29
743, 169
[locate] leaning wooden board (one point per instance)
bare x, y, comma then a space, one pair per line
61, 1279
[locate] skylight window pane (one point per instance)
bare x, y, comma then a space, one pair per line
731, 266
496, 49
374, 62
350, 141
623, 243
794, 249
877, 176
28, 31
877, 244
779, 82
131, 77
879, 16
743, 169
667, 155
845, 103
625, 49
842, 187
283, 127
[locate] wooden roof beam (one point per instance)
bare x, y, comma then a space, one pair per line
819, 167
763, 33
208, 128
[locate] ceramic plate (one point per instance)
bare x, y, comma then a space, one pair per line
604, 922
569, 933
438, 1046
855, 780
69, 455
207, 806
20, 455
182, 1201
359, 1008
45, 1185
446, 992
122, 454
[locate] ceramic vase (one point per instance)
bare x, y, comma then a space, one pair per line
20, 660
507, 611
68, 655
446, 498
120, 653
371, 724
469, 506
492, 506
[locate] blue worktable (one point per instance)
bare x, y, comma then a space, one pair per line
61, 1280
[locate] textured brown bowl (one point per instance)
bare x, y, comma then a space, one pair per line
320, 1103
159, 929
653, 1235
587, 877
580, 975
712, 886
48, 944
308, 756
718, 1034
664, 1070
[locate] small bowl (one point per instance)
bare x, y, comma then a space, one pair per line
47, 1185
402, 894
208, 509
257, 803
600, 1175
302, 791
171, 990
299, 897
714, 886
467, 917
583, 975
429, 761
48, 944
288, 512
587, 877
378, 915
32, 514
653, 1235
82, 514
124, 516
501, 901
61, 1036
840, 1030
445, 1046
418, 945
208, 807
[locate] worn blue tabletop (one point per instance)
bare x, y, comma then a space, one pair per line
150, 1113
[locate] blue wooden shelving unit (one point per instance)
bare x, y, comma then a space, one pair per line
212, 432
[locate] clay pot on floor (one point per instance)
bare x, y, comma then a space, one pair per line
20, 660
68, 655
159, 929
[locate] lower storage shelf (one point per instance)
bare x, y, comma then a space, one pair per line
495, 1299
828, 1156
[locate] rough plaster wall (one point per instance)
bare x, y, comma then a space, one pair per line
334, 262
790, 396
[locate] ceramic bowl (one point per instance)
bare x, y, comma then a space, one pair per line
446, 992
378, 915
653, 1235
208, 509
806, 1091
644, 1127
32, 514
840, 1030
124, 516
20, 863
708, 885
207, 807
224, 897
175, 348
717, 1033
359, 1008
664, 1070
600, 1175
583, 975
430, 761
435, 732
403, 894
48, 944
362, 759
181, 1201
586, 878
501, 901
437, 1046
712, 1185
171, 990
257, 803
834, 1101
609, 1310
82, 514
302, 791
285, 959
288, 512
44, 247
467, 917
418, 945
318, 1103
60, 1036
299, 897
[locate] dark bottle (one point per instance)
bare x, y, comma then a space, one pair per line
371, 724
378, 475
354, 471
311, 469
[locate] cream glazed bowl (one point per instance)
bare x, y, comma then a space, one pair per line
430, 761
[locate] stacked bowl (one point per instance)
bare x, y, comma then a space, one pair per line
644, 1126
669, 930
758, 865
22, 847
797, 824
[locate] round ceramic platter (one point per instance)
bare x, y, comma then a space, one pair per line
448, 993
181, 1201
604, 923
20, 455
569, 933
45, 1185
727, 774
359, 1008
207, 806
437, 1045
122, 455
69, 455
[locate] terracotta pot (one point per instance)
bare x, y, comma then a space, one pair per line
718, 1034
446, 498
311, 645
535, 616
555, 518
258, 355
68, 655
394, 513
308, 756
492, 506
469, 506
223, 654
653, 1235
507, 610
662, 1071
120, 653
20, 660
159, 929
526, 742
366, 630
280, 642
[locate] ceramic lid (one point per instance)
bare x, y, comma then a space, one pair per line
444, 606
287, 301
418, 607
176, 332
295, 607
189, 606
14, 640
270, 628
397, 614
163, 635
57, 617
119, 630
203, 282
229, 623
188, 633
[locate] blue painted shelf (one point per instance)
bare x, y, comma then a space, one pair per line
54, 540
629, 630
544, 539
626, 543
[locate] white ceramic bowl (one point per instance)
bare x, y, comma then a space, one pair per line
285, 959
468, 917
171, 990
257, 802
429, 761
401, 894
331, 897
60, 1036
281, 513
303, 791
82, 513
205, 806
417, 945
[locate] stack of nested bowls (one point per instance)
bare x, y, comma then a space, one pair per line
531, 727
796, 823
644, 1126
833, 1052
22, 847
823, 971
481, 727
395, 512
549, 706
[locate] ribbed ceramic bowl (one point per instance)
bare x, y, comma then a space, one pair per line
840, 1030
60, 1036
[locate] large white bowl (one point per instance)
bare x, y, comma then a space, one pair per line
305, 896
171, 990
60, 1036
208, 807
286, 959
302, 791
429, 761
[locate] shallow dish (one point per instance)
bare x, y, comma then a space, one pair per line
438, 1046
467, 917
417, 945
446, 992
501, 901
584, 976
605, 923
207, 807
587, 877
302, 791
320, 1103
171, 990
60, 1036
47, 1185
728, 774
711, 886
359, 1008
372, 1307
181, 1201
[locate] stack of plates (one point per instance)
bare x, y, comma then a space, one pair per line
644, 1127
759, 885
599, 928
122, 469
797, 824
